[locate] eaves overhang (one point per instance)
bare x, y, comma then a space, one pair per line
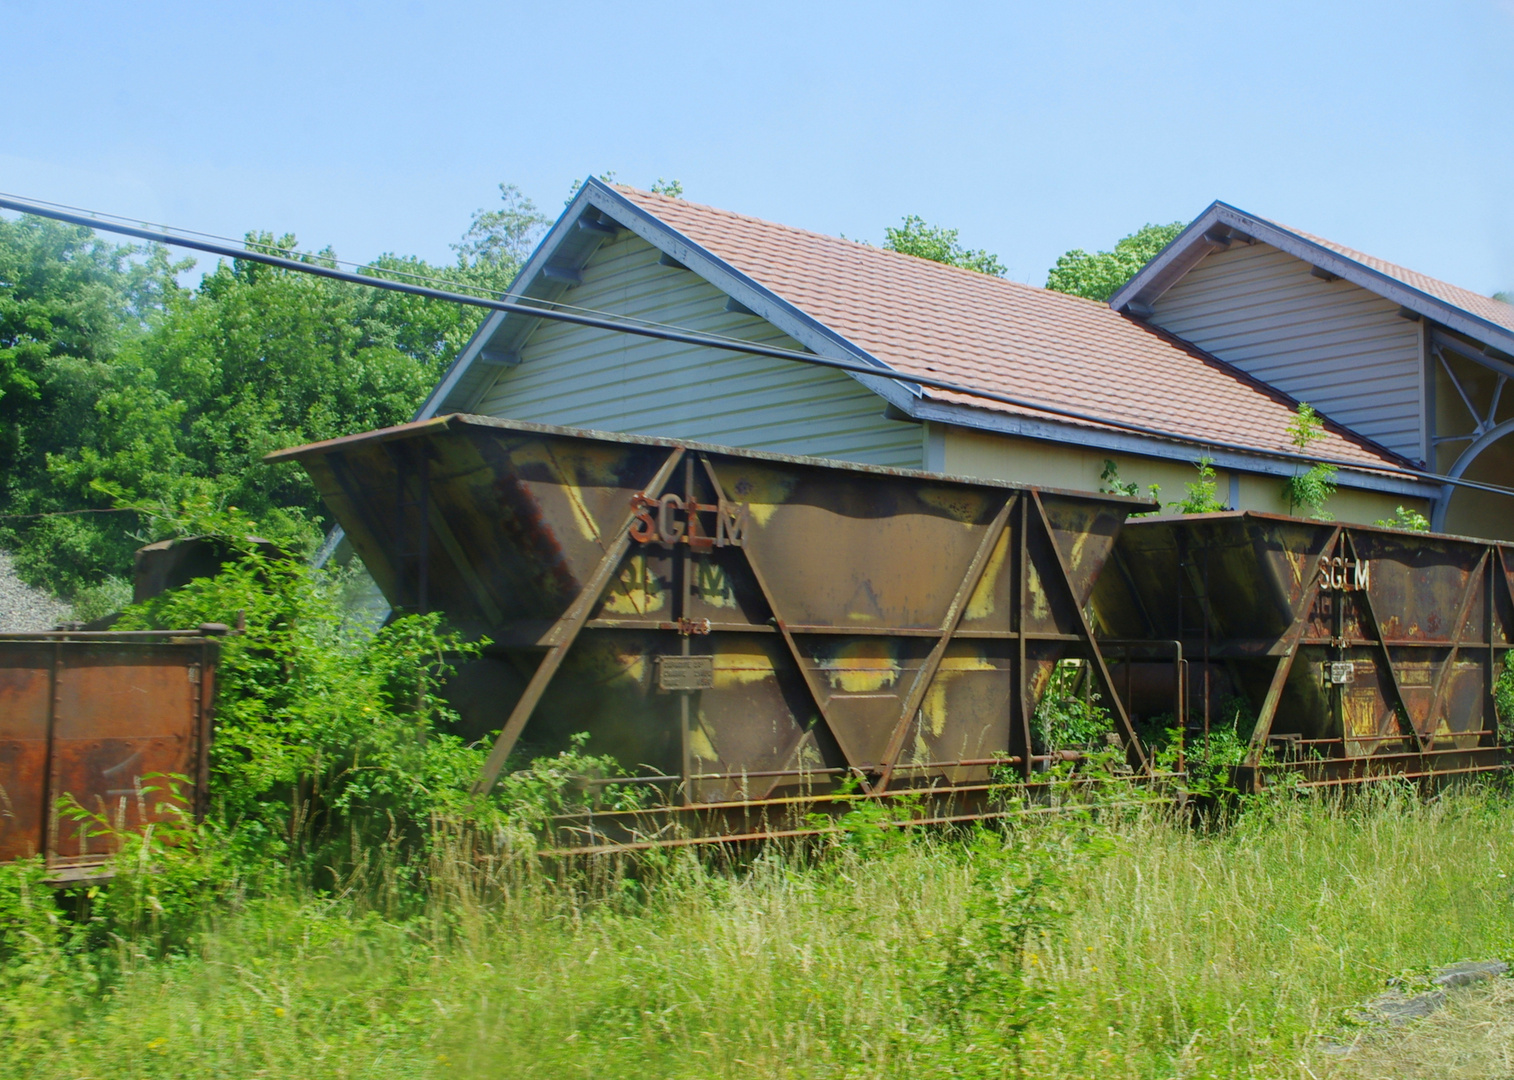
1222, 224
1239, 459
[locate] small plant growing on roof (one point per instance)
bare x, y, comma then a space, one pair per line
1311, 488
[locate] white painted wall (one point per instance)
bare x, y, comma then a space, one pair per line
581, 377
1344, 350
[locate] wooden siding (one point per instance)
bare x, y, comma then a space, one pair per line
581, 377
1344, 350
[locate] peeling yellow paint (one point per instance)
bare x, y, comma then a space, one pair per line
1296, 567
1040, 608
862, 667
966, 663
1360, 714
761, 489
933, 707
637, 591
981, 604
738, 669
700, 745
1080, 541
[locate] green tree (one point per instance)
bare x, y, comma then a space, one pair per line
124, 388
1097, 275
69, 304
499, 241
915, 237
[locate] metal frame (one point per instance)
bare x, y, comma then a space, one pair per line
1486, 429
1486, 566
875, 778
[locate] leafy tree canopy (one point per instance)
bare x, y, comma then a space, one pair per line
1097, 275
118, 387
915, 237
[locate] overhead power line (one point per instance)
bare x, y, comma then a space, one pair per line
620, 324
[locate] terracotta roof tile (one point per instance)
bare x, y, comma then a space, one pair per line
925, 318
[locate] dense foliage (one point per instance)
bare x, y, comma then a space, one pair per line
120, 388
1096, 275
914, 237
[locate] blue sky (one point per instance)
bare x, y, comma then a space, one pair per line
1032, 128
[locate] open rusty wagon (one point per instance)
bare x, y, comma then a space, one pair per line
760, 636
1359, 651
115, 724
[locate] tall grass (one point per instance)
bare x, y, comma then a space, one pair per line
1160, 950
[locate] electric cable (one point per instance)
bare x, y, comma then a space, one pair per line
618, 323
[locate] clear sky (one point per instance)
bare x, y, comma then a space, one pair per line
1031, 127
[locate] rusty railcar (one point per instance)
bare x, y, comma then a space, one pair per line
98, 719
738, 625
1361, 651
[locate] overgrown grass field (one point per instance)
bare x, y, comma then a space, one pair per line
1128, 945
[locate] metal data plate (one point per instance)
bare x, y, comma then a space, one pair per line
1342, 672
685, 673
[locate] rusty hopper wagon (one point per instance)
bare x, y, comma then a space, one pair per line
748, 630
1360, 652
118, 723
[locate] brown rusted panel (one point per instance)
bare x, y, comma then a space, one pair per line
964, 715
125, 714
1085, 533
94, 721
1417, 583
833, 600
25, 686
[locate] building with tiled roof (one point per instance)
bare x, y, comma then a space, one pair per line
1067, 384
1416, 364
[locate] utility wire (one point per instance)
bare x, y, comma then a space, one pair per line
101, 219
612, 322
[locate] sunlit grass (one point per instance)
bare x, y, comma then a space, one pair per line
1185, 952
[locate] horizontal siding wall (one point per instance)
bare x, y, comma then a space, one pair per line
581, 377
1337, 346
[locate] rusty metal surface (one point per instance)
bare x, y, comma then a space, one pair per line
167, 564
1362, 651
90, 717
890, 625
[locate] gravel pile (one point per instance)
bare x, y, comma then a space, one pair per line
23, 609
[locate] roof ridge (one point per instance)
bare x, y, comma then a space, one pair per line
856, 245
920, 317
